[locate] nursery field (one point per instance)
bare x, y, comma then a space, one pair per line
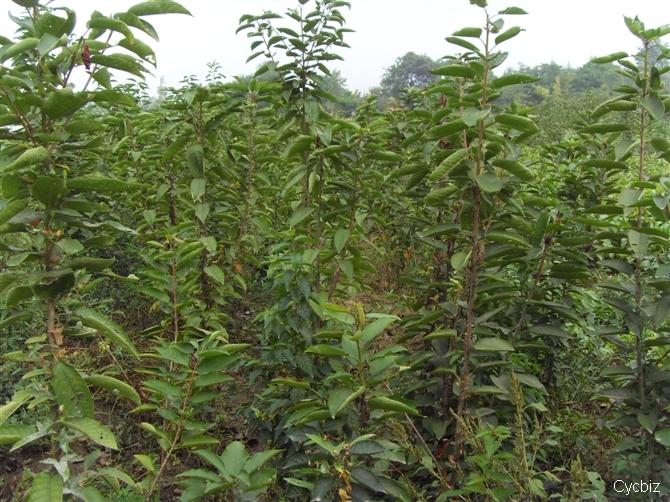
454, 287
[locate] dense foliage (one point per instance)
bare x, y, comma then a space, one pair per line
249, 290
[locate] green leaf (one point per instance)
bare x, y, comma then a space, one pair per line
386, 156
122, 62
663, 437
489, 182
115, 385
340, 238
97, 432
339, 399
388, 404
257, 460
71, 392
215, 272
301, 144
30, 157
323, 443
107, 328
25, 45
517, 122
11, 210
459, 259
12, 433
155, 7
195, 159
513, 11
300, 215
325, 350
63, 102
49, 190
47, 43
46, 488
19, 398
506, 35
70, 246
507, 238
468, 32
514, 168
201, 212
493, 344
234, 457
512, 79
610, 58
198, 187
454, 70
375, 328
146, 461
105, 23
449, 164
654, 106
648, 421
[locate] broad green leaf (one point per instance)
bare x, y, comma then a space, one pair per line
146, 461
459, 259
506, 35
158, 7
340, 238
198, 187
115, 385
386, 156
610, 58
107, 328
489, 182
71, 392
106, 23
12, 433
300, 215
473, 32
339, 399
493, 344
46, 488
663, 437
20, 47
63, 102
215, 272
122, 62
201, 212
389, 404
507, 238
97, 432
323, 443
449, 164
514, 168
30, 157
512, 79
19, 398
234, 457
517, 122
375, 328
654, 106
454, 70
648, 421
11, 210
195, 159
70, 246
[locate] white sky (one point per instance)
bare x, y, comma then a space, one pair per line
564, 31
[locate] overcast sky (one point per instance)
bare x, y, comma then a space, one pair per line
564, 31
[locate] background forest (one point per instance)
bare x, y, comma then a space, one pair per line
456, 287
